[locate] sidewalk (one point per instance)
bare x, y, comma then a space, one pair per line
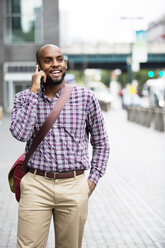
127, 208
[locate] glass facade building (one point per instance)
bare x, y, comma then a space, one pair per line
25, 26
23, 21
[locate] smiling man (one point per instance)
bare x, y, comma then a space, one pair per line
63, 153
52, 67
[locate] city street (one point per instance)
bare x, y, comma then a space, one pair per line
127, 208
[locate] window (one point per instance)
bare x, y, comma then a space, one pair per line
23, 21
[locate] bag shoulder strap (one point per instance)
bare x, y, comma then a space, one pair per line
48, 123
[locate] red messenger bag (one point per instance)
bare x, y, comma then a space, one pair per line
20, 168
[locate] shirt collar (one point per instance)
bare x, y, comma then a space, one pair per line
41, 92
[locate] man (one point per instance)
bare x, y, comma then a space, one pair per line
64, 149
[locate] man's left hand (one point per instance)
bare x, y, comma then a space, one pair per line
91, 186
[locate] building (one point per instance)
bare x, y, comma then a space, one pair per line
156, 31
25, 26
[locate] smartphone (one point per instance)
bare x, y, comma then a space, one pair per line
41, 81
39, 68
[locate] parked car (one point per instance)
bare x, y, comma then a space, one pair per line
101, 91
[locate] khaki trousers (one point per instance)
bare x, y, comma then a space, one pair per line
65, 199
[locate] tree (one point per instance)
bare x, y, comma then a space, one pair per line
105, 77
123, 79
141, 76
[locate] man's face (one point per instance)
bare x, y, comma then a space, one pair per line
53, 64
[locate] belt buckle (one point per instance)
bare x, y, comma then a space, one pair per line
45, 175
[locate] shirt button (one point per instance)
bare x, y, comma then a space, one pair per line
59, 156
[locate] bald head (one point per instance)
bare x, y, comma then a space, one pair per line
52, 62
44, 48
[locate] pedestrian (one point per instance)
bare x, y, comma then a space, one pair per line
63, 151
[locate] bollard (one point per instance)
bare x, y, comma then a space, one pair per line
134, 113
159, 120
143, 116
129, 113
140, 115
148, 117
105, 106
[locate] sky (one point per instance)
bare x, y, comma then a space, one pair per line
102, 20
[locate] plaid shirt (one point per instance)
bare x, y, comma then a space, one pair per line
65, 147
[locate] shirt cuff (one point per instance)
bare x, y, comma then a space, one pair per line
94, 176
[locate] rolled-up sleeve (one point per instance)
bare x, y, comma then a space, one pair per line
24, 115
99, 141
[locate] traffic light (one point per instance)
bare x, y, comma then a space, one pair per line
150, 73
161, 73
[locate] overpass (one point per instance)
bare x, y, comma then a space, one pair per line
104, 56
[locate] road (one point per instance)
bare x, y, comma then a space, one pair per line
126, 209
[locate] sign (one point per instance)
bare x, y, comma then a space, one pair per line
139, 49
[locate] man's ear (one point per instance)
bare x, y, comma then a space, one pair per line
66, 65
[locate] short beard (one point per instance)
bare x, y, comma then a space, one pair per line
51, 82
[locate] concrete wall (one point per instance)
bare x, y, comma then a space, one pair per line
51, 21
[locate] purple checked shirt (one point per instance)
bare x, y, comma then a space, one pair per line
65, 147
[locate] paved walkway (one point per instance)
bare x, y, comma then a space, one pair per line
127, 209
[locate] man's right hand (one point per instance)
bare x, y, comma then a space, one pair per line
36, 79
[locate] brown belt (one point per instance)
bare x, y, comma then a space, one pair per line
56, 175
